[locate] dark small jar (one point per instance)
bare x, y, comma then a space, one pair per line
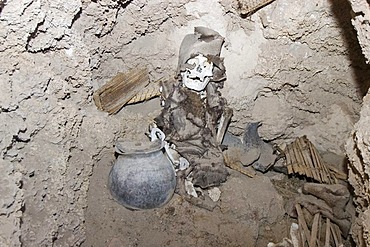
142, 176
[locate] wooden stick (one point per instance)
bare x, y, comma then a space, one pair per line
224, 122
303, 158
324, 171
327, 174
302, 224
314, 230
233, 165
318, 243
338, 234
304, 145
291, 158
249, 7
302, 236
289, 162
300, 160
337, 173
317, 163
334, 233
327, 233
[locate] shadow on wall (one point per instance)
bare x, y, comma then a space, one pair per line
342, 12
2, 4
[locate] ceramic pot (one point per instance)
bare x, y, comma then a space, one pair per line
142, 176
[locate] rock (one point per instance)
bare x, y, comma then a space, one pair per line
252, 141
214, 193
335, 195
358, 151
361, 23
251, 150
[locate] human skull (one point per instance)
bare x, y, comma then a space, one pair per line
198, 77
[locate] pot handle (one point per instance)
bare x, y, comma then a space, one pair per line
156, 134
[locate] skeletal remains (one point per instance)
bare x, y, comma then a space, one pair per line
192, 110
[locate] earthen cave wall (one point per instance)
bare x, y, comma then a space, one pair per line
295, 66
358, 146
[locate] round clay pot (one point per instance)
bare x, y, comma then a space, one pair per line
142, 176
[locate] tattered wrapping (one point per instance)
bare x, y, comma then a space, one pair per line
190, 119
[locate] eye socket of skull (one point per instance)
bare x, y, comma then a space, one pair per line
202, 67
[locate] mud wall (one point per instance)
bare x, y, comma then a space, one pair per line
296, 67
358, 146
358, 150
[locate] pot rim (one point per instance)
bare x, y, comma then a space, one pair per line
138, 147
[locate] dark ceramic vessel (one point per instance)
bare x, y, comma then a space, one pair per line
142, 176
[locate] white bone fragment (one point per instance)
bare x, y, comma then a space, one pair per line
184, 164
156, 133
189, 187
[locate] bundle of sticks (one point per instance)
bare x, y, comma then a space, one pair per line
303, 158
126, 88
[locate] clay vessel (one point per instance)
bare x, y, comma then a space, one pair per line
142, 176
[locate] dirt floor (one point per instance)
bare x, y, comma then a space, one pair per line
250, 213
